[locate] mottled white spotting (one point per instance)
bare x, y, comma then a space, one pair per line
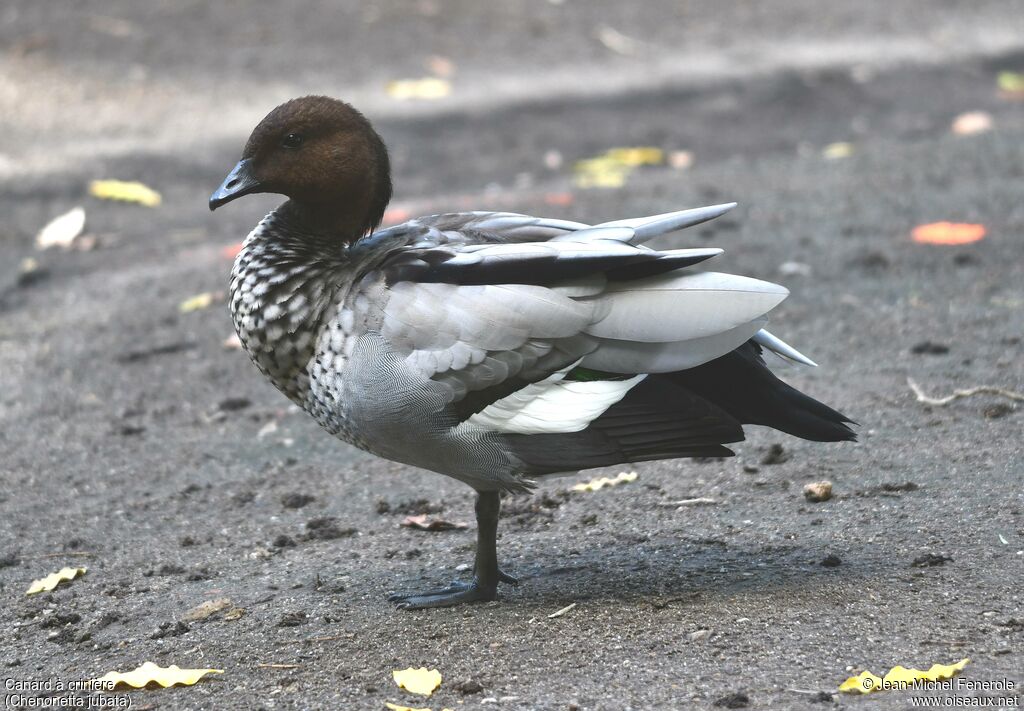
337, 340
347, 320
553, 405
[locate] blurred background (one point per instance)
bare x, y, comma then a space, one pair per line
877, 153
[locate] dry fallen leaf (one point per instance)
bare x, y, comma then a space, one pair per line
1011, 85
426, 523
150, 673
971, 123
125, 191
901, 678
420, 681
397, 707
633, 157
207, 609
600, 483
198, 302
863, 682
54, 579
610, 169
427, 88
61, 231
948, 233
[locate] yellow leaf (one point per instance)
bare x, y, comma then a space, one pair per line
864, 682
1011, 82
835, 151
54, 579
396, 707
600, 175
641, 155
428, 88
150, 672
125, 191
197, 302
420, 681
598, 484
611, 168
901, 678
61, 231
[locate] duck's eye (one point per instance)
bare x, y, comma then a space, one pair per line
292, 140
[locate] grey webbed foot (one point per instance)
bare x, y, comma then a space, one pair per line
487, 574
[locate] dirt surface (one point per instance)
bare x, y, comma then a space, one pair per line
134, 443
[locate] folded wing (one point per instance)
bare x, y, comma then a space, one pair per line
545, 332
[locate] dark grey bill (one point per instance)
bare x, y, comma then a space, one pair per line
240, 181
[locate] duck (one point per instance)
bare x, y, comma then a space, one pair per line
492, 347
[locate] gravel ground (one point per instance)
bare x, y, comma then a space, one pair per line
135, 443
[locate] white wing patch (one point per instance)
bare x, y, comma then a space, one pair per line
553, 405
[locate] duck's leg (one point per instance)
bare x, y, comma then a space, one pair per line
486, 574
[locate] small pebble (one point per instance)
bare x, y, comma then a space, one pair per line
818, 491
292, 619
831, 561
469, 686
929, 560
1000, 409
296, 500
929, 348
737, 700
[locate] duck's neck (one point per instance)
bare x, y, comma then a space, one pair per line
320, 225
283, 281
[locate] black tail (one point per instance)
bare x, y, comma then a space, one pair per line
690, 413
741, 384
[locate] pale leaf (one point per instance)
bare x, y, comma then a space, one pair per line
150, 673
428, 88
61, 231
420, 681
602, 482
900, 678
197, 302
54, 579
125, 191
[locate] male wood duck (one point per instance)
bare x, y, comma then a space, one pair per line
492, 347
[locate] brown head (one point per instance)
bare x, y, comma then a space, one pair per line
323, 155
